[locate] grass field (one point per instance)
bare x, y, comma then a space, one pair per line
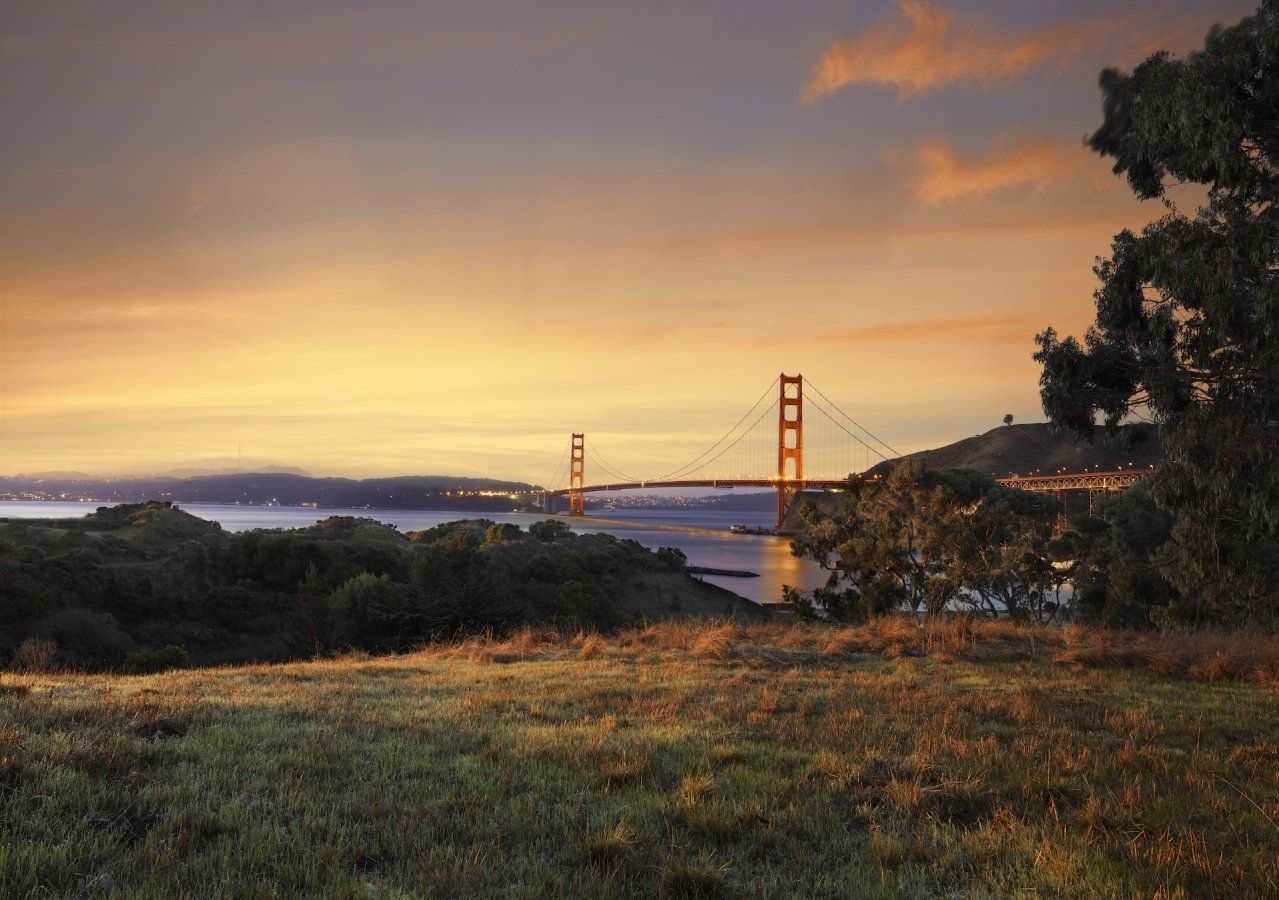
963, 759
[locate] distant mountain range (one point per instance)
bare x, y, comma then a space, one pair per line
1007, 450
275, 488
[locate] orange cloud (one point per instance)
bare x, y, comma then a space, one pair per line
928, 47
941, 175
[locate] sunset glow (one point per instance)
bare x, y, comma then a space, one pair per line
411, 238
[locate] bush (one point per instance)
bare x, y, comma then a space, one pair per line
88, 637
35, 655
233, 606
502, 533
170, 656
549, 530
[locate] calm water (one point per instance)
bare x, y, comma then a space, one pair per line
703, 536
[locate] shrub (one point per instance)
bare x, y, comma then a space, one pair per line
549, 530
87, 636
233, 606
170, 656
35, 655
502, 533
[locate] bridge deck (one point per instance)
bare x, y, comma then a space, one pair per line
1094, 481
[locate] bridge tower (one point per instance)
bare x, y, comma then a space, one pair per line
577, 476
790, 441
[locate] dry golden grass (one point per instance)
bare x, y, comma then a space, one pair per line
956, 757
1204, 655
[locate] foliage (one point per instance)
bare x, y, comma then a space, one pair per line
502, 533
84, 636
550, 530
672, 557
170, 656
233, 605
1187, 325
117, 585
1002, 558
927, 541
1117, 573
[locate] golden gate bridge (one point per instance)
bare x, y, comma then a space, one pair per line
774, 446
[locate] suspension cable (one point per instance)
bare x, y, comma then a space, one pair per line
818, 407
835, 407
732, 445
682, 469
554, 483
598, 459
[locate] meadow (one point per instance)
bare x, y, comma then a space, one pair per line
683, 759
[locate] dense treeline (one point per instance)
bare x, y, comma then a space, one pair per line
143, 586
929, 542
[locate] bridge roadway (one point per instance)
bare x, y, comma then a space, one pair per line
802, 484
1079, 481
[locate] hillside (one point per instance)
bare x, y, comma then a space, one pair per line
1026, 449
117, 587
280, 488
1021, 450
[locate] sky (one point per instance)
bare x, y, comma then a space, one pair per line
387, 238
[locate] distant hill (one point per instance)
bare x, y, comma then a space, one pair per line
1021, 450
1030, 449
279, 488
191, 472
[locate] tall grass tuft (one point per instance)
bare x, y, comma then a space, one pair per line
698, 878
717, 641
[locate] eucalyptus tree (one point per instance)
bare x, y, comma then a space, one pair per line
1187, 324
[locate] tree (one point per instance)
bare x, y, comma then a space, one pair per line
925, 541
672, 558
548, 531
1008, 419
1116, 576
1001, 556
1187, 328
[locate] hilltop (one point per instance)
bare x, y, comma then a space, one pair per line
1026, 449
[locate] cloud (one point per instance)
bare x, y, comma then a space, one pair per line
928, 47
941, 175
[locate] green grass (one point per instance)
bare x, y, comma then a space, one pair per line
679, 760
